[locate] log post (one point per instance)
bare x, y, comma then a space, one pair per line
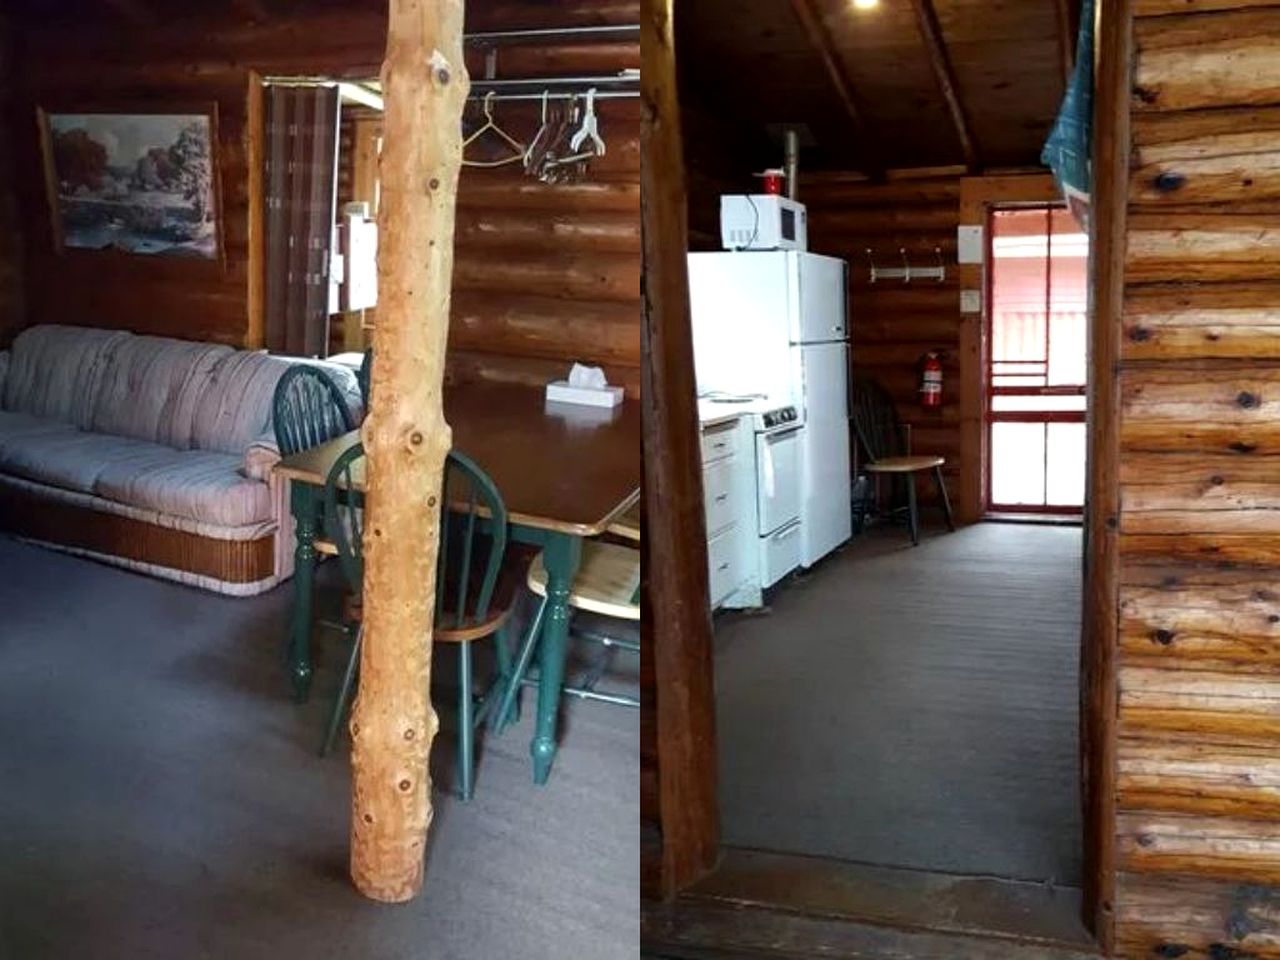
406, 440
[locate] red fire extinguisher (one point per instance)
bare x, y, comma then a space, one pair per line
931, 380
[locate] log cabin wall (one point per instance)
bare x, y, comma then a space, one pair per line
543, 274
891, 323
1198, 820
11, 252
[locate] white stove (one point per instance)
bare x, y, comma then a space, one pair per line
778, 433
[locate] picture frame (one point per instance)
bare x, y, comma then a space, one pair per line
138, 181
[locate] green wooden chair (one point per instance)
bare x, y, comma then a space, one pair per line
307, 409
475, 591
887, 444
364, 377
607, 584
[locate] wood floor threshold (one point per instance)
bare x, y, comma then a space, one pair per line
758, 905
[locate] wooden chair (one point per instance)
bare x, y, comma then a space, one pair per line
364, 376
608, 583
307, 409
627, 526
887, 444
473, 597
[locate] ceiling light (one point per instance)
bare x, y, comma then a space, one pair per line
865, 4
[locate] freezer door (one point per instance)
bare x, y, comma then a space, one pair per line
825, 477
739, 305
819, 299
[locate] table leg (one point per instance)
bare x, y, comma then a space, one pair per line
561, 556
302, 503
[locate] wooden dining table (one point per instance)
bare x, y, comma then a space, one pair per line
565, 472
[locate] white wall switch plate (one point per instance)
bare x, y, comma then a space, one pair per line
969, 245
970, 301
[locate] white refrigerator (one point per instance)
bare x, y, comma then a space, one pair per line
771, 323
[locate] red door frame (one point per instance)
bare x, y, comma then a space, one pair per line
991, 391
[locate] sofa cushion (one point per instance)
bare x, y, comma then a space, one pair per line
55, 371
67, 457
236, 408
197, 484
151, 386
14, 425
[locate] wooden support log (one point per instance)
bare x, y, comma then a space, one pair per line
675, 616
406, 440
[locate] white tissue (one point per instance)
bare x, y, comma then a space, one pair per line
591, 378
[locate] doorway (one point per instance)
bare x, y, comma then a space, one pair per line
1037, 364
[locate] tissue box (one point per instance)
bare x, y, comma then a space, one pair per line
561, 391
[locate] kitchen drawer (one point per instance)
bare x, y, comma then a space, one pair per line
723, 565
718, 441
717, 494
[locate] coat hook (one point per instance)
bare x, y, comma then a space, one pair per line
906, 267
872, 264
942, 267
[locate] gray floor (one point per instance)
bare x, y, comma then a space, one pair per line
160, 797
912, 707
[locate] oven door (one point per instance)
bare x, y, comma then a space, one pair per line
777, 479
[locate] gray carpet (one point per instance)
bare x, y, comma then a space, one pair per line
912, 707
161, 796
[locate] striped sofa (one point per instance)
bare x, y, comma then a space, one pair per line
146, 452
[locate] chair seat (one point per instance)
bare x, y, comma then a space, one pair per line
627, 526
505, 591
905, 464
606, 583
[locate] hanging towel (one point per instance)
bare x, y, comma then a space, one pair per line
1067, 152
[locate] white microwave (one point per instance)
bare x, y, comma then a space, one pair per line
762, 221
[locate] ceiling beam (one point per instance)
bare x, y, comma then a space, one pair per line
135, 11
253, 10
931, 34
822, 43
1066, 36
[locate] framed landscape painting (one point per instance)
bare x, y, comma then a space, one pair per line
137, 182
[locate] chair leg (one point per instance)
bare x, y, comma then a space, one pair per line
946, 500
501, 640
913, 516
509, 708
344, 693
466, 723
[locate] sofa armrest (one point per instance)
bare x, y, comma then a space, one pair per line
260, 459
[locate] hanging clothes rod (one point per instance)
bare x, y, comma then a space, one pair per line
559, 95
621, 32
625, 76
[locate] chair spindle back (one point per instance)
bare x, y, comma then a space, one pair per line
875, 420
473, 535
307, 409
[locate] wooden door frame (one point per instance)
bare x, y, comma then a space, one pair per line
988, 504
978, 197
693, 745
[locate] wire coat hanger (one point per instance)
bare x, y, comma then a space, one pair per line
491, 124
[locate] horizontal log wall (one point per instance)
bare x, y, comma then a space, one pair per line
543, 274
1197, 775
11, 253
891, 323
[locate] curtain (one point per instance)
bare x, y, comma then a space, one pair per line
1068, 150
301, 180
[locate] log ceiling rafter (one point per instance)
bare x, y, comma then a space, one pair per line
256, 11
135, 11
940, 63
820, 37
